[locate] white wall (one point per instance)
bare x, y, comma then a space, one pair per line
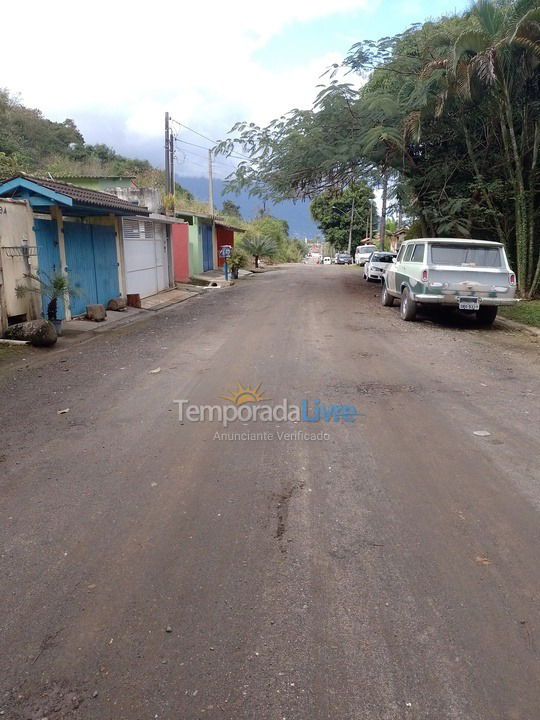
16, 222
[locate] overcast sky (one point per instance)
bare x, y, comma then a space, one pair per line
115, 68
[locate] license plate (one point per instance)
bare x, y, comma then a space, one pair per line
469, 303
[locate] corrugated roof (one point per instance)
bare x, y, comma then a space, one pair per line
83, 196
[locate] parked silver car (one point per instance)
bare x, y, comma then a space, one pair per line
469, 275
377, 265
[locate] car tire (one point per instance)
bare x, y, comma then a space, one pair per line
386, 299
487, 314
408, 306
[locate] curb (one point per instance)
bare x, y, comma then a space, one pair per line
513, 325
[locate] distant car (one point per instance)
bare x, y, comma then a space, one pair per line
468, 275
377, 265
344, 258
363, 253
327, 261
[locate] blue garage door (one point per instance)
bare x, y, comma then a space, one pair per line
92, 264
208, 248
106, 263
48, 257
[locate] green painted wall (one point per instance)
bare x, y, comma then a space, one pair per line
195, 248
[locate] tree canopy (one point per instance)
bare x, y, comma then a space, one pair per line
449, 115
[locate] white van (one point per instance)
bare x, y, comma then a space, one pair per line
362, 253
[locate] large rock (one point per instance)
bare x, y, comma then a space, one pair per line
96, 312
117, 303
40, 333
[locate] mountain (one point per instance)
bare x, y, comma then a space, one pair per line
296, 214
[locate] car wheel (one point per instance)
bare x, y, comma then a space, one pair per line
487, 314
408, 306
386, 299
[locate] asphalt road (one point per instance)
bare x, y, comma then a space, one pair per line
388, 571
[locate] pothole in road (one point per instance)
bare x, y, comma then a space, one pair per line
283, 501
376, 388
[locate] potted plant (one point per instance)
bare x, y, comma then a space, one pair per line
169, 203
53, 287
238, 260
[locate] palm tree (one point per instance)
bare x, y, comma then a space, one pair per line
54, 287
259, 246
501, 55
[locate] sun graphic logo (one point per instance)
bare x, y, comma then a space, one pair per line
245, 394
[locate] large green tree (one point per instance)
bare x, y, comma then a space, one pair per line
333, 209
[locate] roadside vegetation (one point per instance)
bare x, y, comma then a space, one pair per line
267, 237
527, 312
447, 122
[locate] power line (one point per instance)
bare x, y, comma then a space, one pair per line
214, 142
205, 137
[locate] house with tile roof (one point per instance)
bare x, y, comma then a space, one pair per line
48, 226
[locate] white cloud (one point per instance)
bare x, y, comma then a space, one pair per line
131, 62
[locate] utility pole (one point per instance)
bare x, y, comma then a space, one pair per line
382, 225
370, 220
167, 155
210, 184
171, 162
351, 226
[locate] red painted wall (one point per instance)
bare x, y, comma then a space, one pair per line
224, 237
180, 248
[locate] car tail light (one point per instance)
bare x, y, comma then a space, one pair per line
424, 276
512, 278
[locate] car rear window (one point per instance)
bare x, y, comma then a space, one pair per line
466, 255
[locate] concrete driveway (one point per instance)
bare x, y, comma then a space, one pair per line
387, 571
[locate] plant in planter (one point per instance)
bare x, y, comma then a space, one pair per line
53, 287
169, 203
237, 261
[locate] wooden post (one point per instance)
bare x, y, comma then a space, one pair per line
56, 214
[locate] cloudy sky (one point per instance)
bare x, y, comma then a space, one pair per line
115, 68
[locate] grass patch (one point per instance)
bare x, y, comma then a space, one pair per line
527, 312
11, 352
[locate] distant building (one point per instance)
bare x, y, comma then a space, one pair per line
397, 237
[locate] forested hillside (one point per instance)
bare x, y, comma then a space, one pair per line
30, 142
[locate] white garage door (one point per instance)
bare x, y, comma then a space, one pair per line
145, 253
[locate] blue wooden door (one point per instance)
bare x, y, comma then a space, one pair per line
208, 249
80, 265
92, 264
46, 232
106, 263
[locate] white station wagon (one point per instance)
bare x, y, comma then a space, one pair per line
469, 275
